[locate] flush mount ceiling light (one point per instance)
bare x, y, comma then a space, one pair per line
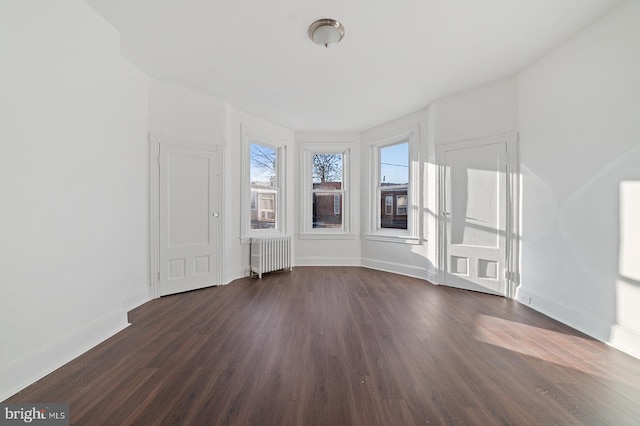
326, 31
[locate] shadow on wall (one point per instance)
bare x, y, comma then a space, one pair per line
474, 204
600, 223
583, 253
583, 250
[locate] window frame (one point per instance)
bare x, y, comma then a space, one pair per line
398, 205
307, 231
249, 137
376, 144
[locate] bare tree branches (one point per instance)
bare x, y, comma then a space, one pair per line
327, 168
263, 162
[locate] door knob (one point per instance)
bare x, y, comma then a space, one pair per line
216, 214
445, 214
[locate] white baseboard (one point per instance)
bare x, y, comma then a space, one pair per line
327, 261
589, 325
398, 268
234, 274
625, 339
433, 276
20, 374
615, 335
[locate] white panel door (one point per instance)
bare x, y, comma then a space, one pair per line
189, 228
474, 215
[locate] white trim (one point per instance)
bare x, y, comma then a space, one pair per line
328, 261
513, 202
615, 335
235, 274
587, 324
394, 135
249, 136
307, 149
158, 138
410, 134
328, 236
33, 367
154, 205
398, 268
625, 339
470, 143
154, 216
393, 238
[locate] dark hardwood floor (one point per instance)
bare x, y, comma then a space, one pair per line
344, 346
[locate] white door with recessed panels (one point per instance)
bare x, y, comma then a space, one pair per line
473, 216
189, 228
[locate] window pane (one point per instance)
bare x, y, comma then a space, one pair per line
393, 207
394, 183
327, 171
327, 210
263, 166
264, 192
394, 164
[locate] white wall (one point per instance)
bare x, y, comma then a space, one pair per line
187, 115
579, 120
73, 186
329, 252
487, 110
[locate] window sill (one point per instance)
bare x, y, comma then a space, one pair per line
247, 238
327, 236
388, 238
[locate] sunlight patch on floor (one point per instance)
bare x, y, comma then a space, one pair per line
565, 350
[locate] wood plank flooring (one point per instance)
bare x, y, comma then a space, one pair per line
344, 346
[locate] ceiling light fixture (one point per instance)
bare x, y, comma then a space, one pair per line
326, 31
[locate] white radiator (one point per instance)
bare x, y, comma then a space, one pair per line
270, 254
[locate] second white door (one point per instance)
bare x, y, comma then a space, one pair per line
474, 216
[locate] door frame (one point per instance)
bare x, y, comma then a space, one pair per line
155, 140
512, 218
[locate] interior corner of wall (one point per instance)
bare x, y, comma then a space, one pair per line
625, 339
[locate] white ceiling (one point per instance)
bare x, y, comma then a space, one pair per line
396, 57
